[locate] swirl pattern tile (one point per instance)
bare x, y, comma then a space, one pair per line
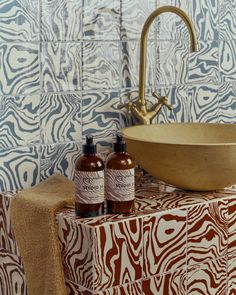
61, 20
19, 20
204, 103
19, 123
61, 67
101, 19
207, 232
205, 18
59, 158
12, 277
19, 168
100, 114
101, 68
60, 118
19, 68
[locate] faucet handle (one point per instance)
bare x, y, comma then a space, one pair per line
127, 105
162, 100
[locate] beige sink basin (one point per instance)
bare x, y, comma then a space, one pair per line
191, 156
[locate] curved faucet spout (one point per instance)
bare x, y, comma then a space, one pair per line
143, 45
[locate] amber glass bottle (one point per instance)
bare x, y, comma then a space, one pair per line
119, 179
89, 182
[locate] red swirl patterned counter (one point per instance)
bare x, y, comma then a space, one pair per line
176, 242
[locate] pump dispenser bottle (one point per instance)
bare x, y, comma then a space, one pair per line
89, 182
119, 179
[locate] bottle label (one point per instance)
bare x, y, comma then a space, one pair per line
89, 187
120, 185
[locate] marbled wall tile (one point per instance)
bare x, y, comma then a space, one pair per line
100, 114
165, 236
169, 25
61, 67
177, 97
117, 253
231, 275
19, 68
207, 232
133, 15
204, 65
59, 158
130, 64
227, 60
204, 15
104, 147
209, 278
12, 277
227, 102
203, 103
227, 20
19, 168
7, 237
61, 20
19, 20
101, 65
19, 123
101, 19
172, 284
172, 62
61, 118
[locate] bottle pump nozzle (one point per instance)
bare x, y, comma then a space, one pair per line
119, 145
89, 148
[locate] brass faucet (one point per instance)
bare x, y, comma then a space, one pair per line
139, 109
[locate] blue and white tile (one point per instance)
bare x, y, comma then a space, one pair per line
101, 19
172, 63
19, 124
101, 117
205, 16
177, 97
134, 13
59, 158
227, 60
169, 25
101, 65
60, 117
227, 102
203, 103
204, 64
61, 20
19, 20
227, 20
104, 147
19, 68
19, 168
130, 63
61, 67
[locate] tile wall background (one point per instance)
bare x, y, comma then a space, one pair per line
66, 64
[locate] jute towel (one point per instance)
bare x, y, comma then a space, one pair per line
33, 217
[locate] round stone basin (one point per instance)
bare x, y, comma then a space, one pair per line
191, 156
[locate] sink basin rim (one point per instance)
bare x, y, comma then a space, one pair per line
175, 143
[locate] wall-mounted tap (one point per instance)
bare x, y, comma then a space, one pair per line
139, 108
